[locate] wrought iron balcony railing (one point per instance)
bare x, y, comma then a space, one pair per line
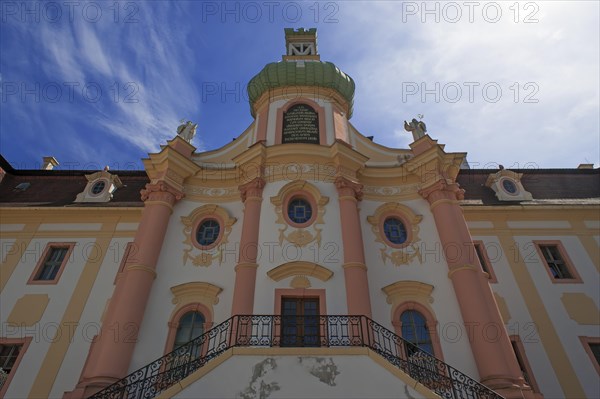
297, 331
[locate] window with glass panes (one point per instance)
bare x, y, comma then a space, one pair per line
299, 210
191, 325
414, 330
98, 187
52, 263
208, 232
300, 322
8, 356
519, 351
555, 262
595, 348
394, 230
482, 260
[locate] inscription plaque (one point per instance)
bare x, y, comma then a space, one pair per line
300, 125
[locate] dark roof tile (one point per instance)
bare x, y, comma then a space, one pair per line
552, 184
60, 188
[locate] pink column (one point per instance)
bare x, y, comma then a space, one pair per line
355, 270
496, 362
245, 271
111, 351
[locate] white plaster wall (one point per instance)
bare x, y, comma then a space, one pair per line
90, 322
328, 254
70, 226
127, 226
272, 121
171, 272
592, 224
6, 246
328, 120
538, 224
567, 329
480, 224
11, 227
299, 377
434, 271
521, 321
44, 332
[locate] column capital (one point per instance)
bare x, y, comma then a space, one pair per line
442, 190
162, 192
252, 189
347, 188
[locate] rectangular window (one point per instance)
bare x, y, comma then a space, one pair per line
484, 260
300, 322
52, 263
11, 353
595, 348
523, 362
592, 347
8, 356
557, 262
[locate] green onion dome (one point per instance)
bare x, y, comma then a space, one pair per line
312, 73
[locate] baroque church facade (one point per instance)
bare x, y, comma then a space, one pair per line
300, 260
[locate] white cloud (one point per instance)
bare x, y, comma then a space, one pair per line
160, 62
141, 68
558, 57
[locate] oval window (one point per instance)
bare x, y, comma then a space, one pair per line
394, 230
98, 187
509, 186
208, 232
299, 210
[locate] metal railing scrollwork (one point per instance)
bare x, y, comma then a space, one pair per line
296, 331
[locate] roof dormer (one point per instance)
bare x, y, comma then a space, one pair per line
507, 186
100, 187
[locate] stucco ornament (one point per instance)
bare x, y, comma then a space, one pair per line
187, 130
201, 257
507, 186
399, 254
299, 236
417, 128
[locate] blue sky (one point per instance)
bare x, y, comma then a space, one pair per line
103, 83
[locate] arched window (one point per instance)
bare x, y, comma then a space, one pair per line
191, 325
414, 330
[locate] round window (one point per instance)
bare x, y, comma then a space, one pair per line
299, 210
208, 232
509, 186
394, 230
98, 187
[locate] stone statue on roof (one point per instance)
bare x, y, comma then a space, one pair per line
417, 128
187, 130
